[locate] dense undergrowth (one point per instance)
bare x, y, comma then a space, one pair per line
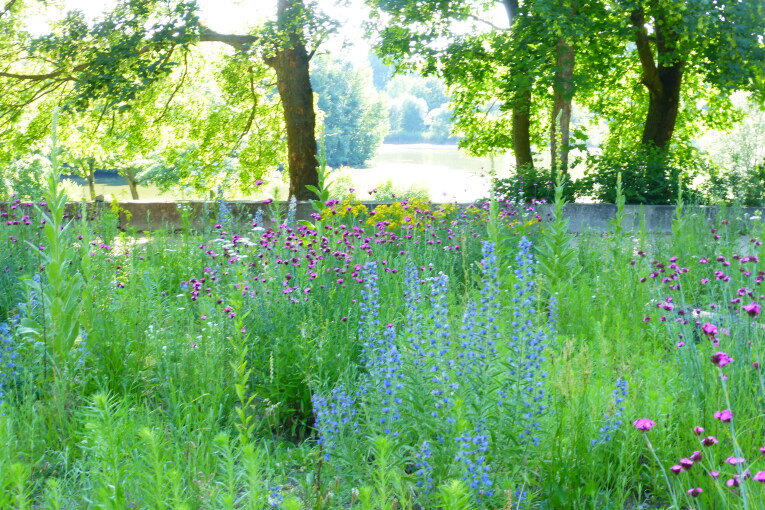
420, 357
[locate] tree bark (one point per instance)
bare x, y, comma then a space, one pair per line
522, 130
663, 78
91, 166
563, 92
521, 107
293, 80
132, 183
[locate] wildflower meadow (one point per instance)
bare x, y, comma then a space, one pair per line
413, 357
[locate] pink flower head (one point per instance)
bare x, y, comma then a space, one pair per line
733, 482
714, 474
759, 477
644, 424
735, 460
696, 457
698, 430
677, 469
752, 309
725, 415
687, 464
709, 441
762, 450
694, 492
709, 329
721, 359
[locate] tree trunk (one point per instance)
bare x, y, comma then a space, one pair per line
521, 107
662, 77
291, 64
132, 183
563, 92
91, 165
522, 130
663, 107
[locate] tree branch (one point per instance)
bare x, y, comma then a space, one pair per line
650, 76
239, 42
7, 8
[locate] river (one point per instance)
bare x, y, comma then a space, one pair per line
446, 173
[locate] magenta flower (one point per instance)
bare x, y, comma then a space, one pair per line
696, 457
752, 309
694, 492
709, 441
714, 474
759, 477
686, 464
709, 329
644, 424
725, 415
677, 469
735, 460
721, 359
698, 431
762, 450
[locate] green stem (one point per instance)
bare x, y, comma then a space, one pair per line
663, 472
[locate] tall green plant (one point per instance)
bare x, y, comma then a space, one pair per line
556, 254
58, 287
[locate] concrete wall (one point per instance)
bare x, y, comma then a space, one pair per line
152, 215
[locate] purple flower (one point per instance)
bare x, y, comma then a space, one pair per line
759, 477
709, 441
644, 424
686, 464
677, 469
694, 492
714, 474
696, 457
721, 359
752, 309
725, 415
735, 460
709, 329
698, 431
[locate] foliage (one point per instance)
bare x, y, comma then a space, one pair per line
649, 176
354, 116
23, 178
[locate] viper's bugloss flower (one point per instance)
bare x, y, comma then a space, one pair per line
644, 424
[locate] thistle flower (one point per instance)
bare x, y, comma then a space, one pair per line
753, 309
721, 359
644, 424
725, 415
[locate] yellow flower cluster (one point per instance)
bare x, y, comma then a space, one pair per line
350, 207
416, 213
